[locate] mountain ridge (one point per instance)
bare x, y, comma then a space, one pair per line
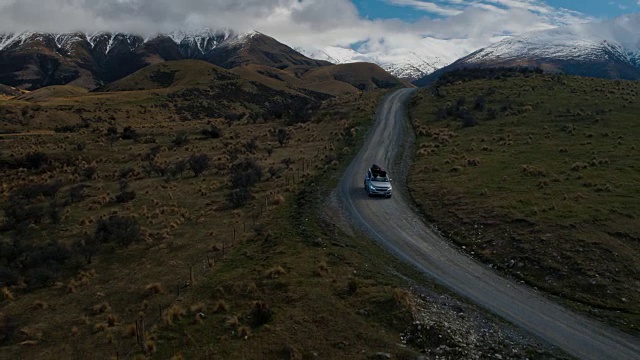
608, 49
32, 60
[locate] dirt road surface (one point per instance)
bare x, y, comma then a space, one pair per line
393, 224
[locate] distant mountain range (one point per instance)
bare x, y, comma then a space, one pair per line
609, 49
30, 60
405, 64
34, 60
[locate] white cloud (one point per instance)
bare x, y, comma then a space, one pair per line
471, 23
427, 6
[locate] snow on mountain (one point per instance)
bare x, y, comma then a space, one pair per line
407, 64
585, 42
201, 41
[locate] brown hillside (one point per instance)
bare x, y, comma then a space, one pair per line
8, 92
181, 73
363, 76
262, 50
49, 92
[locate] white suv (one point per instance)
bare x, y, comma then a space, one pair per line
376, 182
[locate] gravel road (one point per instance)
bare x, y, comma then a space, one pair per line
398, 228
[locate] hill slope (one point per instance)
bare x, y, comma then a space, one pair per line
538, 181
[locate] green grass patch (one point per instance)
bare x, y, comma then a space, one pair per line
538, 175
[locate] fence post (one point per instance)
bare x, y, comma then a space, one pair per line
138, 334
144, 340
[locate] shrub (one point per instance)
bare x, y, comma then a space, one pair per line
282, 136
152, 153
492, 113
76, 193
178, 168
480, 103
7, 329
126, 172
18, 212
129, 133
180, 140
8, 277
88, 247
125, 196
213, 132
35, 160
288, 162
251, 146
89, 172
45, 263
112, 130
199, 163
468, 120
238, 197
245, 174
123, 230
49, 190
260, 314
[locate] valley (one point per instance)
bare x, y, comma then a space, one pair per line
198, 194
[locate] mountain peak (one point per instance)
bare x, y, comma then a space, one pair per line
608, 49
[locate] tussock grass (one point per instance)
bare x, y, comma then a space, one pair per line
101, 308
220, 306
154, 288
175, 312
180, 229
275, 272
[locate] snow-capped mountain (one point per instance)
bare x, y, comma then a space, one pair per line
31, 60
609, 49
406, 64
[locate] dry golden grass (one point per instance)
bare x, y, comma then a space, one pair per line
168, 214
175, 312
198, 307
129, 331
275, 272
7, 294
220, 306
154, 288
243, 332
101, 308
41, 305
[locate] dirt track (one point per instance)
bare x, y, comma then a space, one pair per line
394, 225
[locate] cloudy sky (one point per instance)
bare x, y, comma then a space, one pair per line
380, 24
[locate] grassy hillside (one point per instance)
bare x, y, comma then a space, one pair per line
50, 92
363, 76
537, 175
136, 231
9, 92
112, 223
170, 74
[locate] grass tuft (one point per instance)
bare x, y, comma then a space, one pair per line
275, 272
101, 308
154, 288
220, 306
175, 312
6, 294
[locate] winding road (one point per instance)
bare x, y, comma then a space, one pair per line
398, 228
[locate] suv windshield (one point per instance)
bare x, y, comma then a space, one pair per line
380, 178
